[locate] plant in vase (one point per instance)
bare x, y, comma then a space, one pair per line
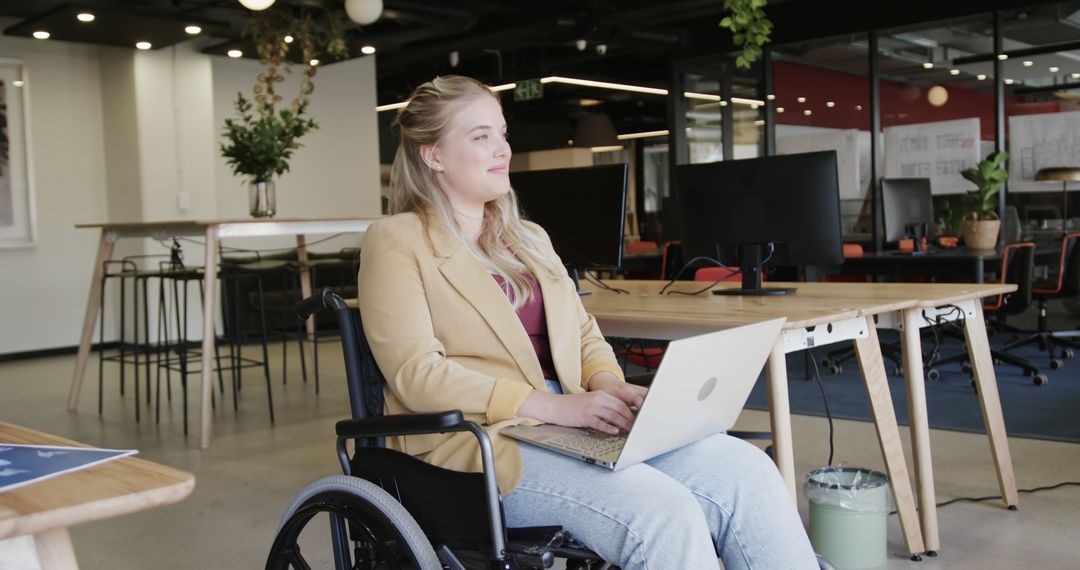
260, 142
981, 223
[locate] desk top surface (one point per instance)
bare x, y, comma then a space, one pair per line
118, 487
812, 304
210, 221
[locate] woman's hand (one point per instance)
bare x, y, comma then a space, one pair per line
630, 394
599, 410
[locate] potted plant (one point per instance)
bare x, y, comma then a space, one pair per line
981, 222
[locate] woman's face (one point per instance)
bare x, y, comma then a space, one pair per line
472, 160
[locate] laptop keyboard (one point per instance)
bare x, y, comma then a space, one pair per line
592, 443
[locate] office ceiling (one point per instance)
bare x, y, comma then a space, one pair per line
627, 41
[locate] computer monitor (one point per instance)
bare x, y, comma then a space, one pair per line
906, 202
582, 209
784, 210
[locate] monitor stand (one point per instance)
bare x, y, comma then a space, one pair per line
577, 282
750, 268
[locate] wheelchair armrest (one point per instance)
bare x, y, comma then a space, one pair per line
401, 424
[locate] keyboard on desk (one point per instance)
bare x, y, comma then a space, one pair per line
589, 442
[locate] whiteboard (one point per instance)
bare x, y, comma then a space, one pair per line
791, 140
1042, 141
938, 151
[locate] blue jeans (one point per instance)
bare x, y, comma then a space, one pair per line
719, 497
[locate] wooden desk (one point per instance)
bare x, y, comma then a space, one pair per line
962, 265
212, 230
46, 509
812, 321
933, 300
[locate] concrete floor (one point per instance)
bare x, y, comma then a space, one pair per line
248, 478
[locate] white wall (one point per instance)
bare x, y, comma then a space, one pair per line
43, 289
119, 135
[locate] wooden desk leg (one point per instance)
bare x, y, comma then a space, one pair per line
93, 307
780, 414
209, 332
911, 345
877, 392
305, 292
986, 382
54, 550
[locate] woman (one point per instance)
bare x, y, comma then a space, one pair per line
467, 306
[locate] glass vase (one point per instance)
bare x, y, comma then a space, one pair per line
261, 199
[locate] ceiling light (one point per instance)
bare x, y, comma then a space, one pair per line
581, 45
808, 112
503, 87
256, 5
830, 104
288, 39
143, 45
937, 96
954, 72
368, 50
770, 97
1008, 82
41, 35
642, 135
604, 85
759, 122
801, 99
364, 12
1003, 56
723, 103
611, 148
193, 30
981, 77
235, 53
1054, 69
85, 17
754, 106
858, 107
1028, 63
589, 102
928, 65
455, 58
779, 109
17, 83
313, 62
391, 106
1076, 76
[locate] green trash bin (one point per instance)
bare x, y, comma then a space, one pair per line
848, 508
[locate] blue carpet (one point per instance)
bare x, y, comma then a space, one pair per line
1041, 412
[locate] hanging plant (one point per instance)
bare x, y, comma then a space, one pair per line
750, 28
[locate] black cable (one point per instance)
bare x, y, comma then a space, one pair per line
825, 399
690, 264
708, 287
997, 497
602, 285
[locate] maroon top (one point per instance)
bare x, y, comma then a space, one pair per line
532, 318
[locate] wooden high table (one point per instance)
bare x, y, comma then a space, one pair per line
212, 231
824, 313
47, 508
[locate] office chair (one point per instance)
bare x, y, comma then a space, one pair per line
1067, 285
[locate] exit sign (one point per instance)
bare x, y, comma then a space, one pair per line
528, 90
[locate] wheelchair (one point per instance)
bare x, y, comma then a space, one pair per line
392, 511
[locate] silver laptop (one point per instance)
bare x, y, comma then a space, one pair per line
699, 390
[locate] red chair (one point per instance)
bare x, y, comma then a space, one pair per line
639, 246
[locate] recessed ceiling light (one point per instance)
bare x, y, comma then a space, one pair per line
770, 96
143, 45
858, 107
830, 104
288, 39
193, 30
1003, 56
779, 109
41, 35
234, 53
367, 50
1076, 76
313, 62
981, 77
754, 106
589, 102
954, 72
1008, 82
1028, 63
1054, 69
759, 122
85, 17
808, 112
17, 83
723, 103
801, 99
928, 65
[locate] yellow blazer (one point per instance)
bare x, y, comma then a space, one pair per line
445, 336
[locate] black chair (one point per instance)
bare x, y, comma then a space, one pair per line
391, 510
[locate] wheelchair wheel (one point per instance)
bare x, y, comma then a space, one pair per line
385, 536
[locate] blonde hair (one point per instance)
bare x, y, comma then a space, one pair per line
414, 188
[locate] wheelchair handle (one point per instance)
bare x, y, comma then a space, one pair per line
324, 299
